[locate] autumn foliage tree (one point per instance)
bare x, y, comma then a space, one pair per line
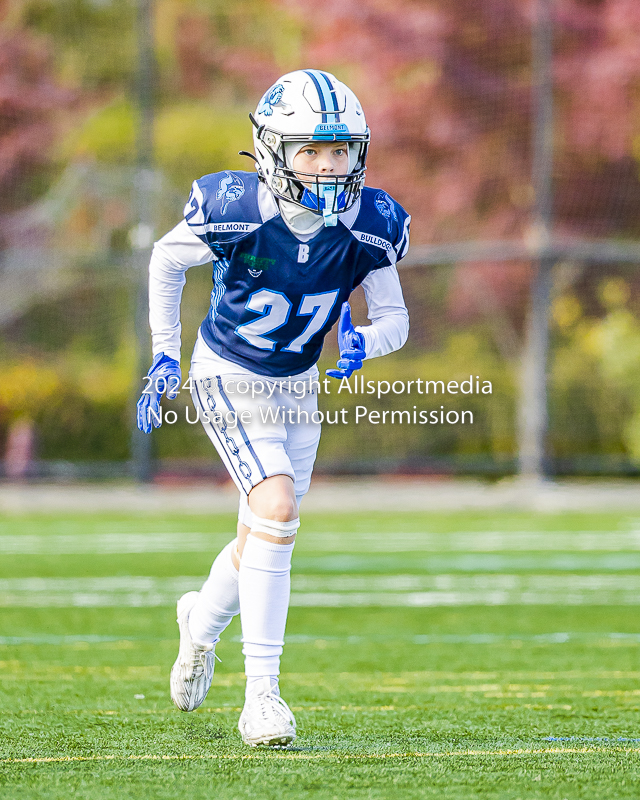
31, 101
447, 88
448, 92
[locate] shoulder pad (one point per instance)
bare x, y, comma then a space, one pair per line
382, 224
223, 206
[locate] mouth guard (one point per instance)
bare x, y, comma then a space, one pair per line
329, 196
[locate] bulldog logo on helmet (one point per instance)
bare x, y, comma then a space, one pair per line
271, 98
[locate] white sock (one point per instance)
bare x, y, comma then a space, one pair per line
265, 585
267, 683
218, 602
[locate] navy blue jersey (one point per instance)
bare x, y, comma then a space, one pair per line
275, 298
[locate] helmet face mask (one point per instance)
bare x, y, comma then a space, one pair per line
311, 106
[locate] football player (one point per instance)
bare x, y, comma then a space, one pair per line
289, 243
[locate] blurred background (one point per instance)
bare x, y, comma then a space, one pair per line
509, 129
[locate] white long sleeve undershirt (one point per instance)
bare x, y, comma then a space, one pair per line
171, 258
388, 314
180, 249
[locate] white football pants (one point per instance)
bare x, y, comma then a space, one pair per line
273, 432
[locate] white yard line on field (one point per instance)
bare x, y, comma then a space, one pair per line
330, 542
126, 642
337, 591
341, 756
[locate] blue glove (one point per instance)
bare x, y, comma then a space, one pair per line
351, 344
165, 378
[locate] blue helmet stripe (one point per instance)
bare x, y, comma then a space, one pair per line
323, 105
327, 96
333, 97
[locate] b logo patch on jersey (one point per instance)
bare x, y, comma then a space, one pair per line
231, 188
303, 253
386, 207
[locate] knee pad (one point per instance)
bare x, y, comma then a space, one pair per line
274, 528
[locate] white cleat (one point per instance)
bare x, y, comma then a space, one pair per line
266, 718
192, 673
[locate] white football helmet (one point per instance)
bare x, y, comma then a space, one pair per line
310, 105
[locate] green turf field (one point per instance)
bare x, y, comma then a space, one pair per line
470, 655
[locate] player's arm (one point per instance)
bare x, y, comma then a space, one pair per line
389, 324
171, 257
389, 317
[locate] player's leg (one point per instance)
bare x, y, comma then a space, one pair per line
206, 614
249, 454
218, 603
203, 615
218, 599
276, 500
264, 570
264, 611
266, 553
264, 585
265, 548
